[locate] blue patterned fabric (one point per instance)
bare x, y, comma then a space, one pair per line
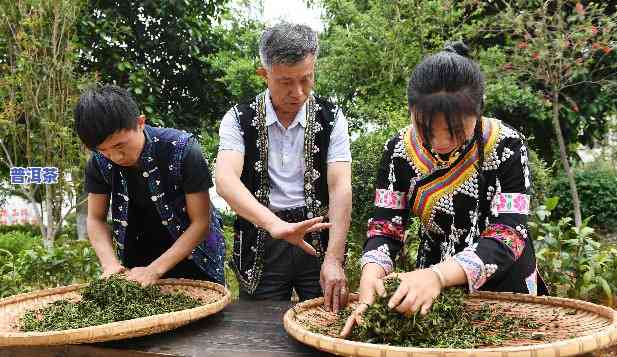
169, 199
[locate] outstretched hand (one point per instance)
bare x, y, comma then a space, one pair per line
294, 232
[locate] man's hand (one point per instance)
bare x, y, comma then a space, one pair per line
333, 283
294, 232
145, 276
117, 268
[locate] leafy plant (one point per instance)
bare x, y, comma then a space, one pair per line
67, 262
38, 87
572, 261
366, 151
17, 241
24, 228
230, 277
369, 49
238, 56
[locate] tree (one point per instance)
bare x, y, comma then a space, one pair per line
159, 50
562, 46
237, 58
520, 101
38, 87
235, 63
369, 49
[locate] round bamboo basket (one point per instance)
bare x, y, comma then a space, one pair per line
569, 327
214, 296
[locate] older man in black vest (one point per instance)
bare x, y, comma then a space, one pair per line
284, 162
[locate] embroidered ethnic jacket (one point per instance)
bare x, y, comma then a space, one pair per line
479, 221
249, 239
161, 161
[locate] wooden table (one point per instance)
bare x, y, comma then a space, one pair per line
243, 329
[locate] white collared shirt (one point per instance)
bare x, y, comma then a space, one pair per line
286, 152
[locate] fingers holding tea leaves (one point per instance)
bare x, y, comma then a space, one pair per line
408, 303
114, 270
399, 295
426, 307
354, 319
416, 290
145, 276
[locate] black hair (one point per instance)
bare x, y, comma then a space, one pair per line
451, 83
102, 111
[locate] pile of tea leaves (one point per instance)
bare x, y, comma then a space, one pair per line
449, 324
104, 301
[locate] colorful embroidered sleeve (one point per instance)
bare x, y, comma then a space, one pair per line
505, 237
386, 228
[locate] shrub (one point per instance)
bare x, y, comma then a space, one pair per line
69, 228
570, 259
597, 189
230, 277
36, 267
17, 241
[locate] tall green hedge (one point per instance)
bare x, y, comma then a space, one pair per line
597, 189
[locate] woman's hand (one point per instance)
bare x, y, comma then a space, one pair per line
354, 319
416, 291
371, 284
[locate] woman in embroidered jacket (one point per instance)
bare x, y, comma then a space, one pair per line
466, 177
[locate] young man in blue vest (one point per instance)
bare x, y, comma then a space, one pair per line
284, 161
156, 181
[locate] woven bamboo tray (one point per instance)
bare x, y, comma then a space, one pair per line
569, 327
215, 296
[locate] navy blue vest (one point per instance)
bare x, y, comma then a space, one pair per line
248, 250
166, 147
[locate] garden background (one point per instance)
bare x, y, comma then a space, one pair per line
551, 72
